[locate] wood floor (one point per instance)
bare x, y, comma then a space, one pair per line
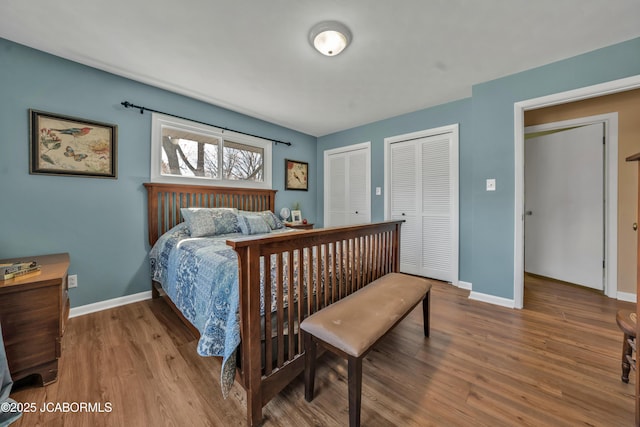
554, 363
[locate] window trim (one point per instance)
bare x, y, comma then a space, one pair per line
159, 121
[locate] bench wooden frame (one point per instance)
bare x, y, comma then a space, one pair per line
354, 361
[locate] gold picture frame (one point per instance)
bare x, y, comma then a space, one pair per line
63, 145
296, 175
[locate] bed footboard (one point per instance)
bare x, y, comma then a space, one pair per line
322, 266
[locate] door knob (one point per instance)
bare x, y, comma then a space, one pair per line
635, 226
529, 213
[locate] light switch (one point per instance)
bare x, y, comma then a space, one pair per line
491, 184
378, 191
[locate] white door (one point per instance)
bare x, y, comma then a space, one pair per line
404, 190
359, 187
423, 192
564, 205
347, 185
335, 191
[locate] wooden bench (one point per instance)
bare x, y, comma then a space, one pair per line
627, 321
352, 326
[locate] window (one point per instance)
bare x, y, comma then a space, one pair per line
192, 153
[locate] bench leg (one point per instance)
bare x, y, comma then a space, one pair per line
626, 351
309, 366
426, 312
355, 390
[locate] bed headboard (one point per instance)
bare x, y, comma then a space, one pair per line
165, 201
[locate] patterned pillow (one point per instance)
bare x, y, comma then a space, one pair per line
253, 224
210, 221
226, 220
269, 217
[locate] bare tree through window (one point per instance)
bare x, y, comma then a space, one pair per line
195, 156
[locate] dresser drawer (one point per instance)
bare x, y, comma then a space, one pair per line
30, 326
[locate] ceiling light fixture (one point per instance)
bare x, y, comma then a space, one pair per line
329, 37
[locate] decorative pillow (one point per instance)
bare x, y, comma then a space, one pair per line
253, 224
269, 217
199, 221
210, 221
226, 220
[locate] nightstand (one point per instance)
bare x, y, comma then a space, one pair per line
33, 311
299, 225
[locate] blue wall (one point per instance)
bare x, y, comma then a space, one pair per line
487, 151
442, 115
101, 223
493, 150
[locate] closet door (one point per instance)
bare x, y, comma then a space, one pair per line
436, 214
336, 175
422, 187
358, 198
404, 203
347, 185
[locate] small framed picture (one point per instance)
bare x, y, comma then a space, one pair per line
296, 175
296, 216
62, 145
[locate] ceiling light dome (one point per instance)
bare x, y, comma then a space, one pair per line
329, 37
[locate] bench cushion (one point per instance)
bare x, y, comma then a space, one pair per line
356, 322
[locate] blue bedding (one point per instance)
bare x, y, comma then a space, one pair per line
200, 275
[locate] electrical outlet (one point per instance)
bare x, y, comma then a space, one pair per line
72, 281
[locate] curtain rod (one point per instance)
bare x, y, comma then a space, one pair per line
128, 104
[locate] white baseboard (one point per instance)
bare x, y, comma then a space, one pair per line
626, 296
492, 299
464, 285
111, 303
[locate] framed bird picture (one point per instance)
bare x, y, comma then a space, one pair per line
62, 145
296, 175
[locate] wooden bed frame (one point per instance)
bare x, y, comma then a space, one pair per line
352, 257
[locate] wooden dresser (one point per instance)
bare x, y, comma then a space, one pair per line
33, 312
636, 158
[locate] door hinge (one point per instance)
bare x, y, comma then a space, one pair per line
602, 263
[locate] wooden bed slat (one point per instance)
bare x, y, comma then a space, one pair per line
280, 308
268, 362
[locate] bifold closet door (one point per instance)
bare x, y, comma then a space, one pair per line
421, 195
348, 187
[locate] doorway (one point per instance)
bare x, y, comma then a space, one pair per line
616, 86
564, 202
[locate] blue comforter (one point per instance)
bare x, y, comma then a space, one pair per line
200, 275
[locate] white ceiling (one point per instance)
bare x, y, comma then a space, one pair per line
253, 56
